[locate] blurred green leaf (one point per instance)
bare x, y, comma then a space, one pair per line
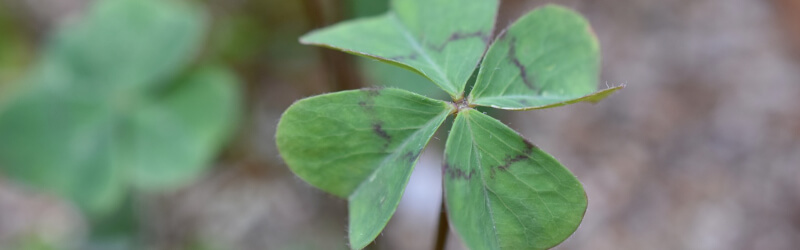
502, 192
547, 58
127, 45
15, 51
442, 41
59, 140
360, 144
171, 139
35, 242
98, 113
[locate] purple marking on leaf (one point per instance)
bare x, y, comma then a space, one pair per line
378, 129
461, 36
523, 72
412, 56
463, 175
372, 92
456, 173
509, 160
528, 146
410, 156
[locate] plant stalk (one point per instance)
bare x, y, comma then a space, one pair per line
444, 228
340, 67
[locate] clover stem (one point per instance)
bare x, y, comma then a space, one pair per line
340, 67
444, 229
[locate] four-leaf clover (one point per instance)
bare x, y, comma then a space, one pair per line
501, 191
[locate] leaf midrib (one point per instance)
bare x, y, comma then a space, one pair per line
529, 97
399, 149
483, 180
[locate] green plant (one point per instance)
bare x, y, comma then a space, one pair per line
110, 106
501, 191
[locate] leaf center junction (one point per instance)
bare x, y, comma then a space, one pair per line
461, 104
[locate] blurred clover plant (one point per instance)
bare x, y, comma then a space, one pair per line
500, 191
112, 105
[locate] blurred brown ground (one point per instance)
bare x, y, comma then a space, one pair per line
700, 151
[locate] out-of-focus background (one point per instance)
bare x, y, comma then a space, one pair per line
700, 151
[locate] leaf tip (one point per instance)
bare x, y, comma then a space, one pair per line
359, 241
602, 94
311, 37
304, 38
